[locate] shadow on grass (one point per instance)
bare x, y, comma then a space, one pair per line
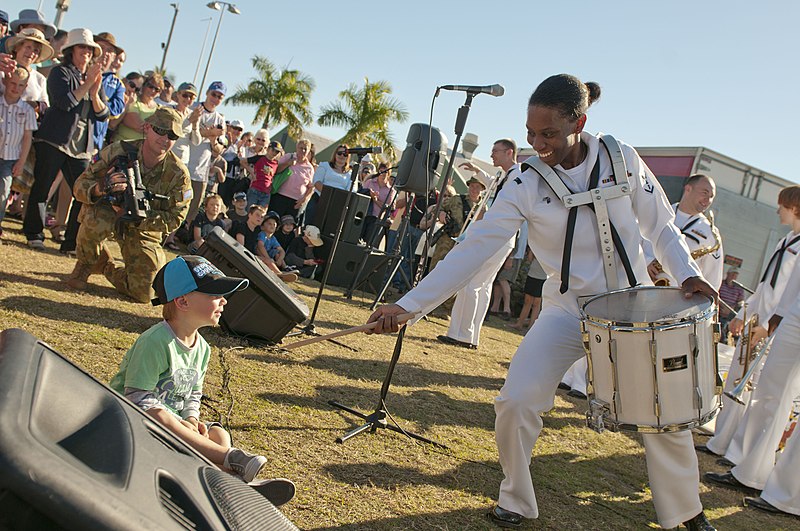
405, 374
71, 312
424, 407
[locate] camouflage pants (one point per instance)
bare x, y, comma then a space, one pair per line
443, 246
141, 252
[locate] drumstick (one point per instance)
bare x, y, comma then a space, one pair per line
401, 319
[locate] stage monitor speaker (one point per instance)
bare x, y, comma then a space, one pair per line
422, 161
329, 210
76, 455
345, 265
268, 309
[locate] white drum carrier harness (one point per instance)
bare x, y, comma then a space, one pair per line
595, 198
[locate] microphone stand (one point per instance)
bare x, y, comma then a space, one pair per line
461, 122
359, 152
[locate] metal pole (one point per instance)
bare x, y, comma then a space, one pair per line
202, 49
211, 51
169, 37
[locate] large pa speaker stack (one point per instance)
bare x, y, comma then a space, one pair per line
346, 262
268, 309
329, 210
75, 455
423, 160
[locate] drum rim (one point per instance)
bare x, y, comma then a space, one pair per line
634, 326
614, 425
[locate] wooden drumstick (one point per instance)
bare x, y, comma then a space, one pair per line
401, 319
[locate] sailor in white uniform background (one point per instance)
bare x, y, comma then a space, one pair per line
697, 230
575, 266
472, 301
763, 302
758, 434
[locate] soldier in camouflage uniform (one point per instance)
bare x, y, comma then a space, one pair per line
140, 242
454, 210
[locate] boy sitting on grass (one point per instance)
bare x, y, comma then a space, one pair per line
163, 371
268, 246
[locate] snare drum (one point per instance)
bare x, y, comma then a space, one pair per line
652, 360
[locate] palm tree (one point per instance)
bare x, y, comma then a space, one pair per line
366, 113
280, 96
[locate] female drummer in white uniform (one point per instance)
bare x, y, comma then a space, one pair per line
555, 121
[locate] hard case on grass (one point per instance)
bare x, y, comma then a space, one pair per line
268, 309
76, 455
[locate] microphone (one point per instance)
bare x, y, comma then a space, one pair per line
492, 90
364, 150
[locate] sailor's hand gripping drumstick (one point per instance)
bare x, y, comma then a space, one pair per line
387, 319
698, 285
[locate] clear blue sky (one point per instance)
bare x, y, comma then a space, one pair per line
719, 74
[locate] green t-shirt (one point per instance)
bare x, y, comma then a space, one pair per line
160, 363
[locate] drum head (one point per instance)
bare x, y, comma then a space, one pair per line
646, 304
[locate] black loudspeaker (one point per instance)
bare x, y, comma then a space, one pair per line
268, 309
329, 210
346, 262
423, 160
75, 455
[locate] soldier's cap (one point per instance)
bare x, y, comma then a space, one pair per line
475, 180
166, 119
189, 273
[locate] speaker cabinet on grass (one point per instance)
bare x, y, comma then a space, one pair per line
345, 265
268, 309
329, 211
75, 455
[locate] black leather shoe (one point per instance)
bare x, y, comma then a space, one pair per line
574, 393
705, 449
725, 462
455, 342
503, 518
699, 523
760, 503
727, 480
563, 386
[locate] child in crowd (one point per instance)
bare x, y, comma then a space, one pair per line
239, 213
163, 371
17, 124
219, 167
247, 235
268, 246
287, 231
262, 167
205, 221
301, 252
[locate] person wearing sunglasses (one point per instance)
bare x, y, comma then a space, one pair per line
139, 241
334, 173
136, 112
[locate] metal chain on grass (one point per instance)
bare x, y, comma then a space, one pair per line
434, 448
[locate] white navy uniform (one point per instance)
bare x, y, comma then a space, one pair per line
763, 302
472, 301
782, 488
696, 232
756, 440
553, 343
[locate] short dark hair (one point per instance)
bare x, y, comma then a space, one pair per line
789, 197
694, 179
566, 93
507, 143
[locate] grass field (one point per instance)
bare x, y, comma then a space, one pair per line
279, 407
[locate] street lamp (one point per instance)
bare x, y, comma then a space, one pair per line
217, 6
169, 38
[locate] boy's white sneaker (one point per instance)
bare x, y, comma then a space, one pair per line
243, 464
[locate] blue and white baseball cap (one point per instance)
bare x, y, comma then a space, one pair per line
189, 273
219, 86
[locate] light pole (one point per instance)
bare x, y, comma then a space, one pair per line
217, 6
202, 49
169, 37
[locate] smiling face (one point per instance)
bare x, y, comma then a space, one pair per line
27, 53
156, 144
698, 196
555, 137
81, 55
108, 55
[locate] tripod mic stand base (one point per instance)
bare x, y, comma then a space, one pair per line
375, 420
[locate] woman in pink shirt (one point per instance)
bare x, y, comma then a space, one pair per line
297, 189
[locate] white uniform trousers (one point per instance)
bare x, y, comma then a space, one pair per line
783, 485
472, 301
731, 414
754, 445
575, 377
546, 352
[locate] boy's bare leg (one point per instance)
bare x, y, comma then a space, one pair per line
208, 448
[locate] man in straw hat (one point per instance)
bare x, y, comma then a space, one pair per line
140, 241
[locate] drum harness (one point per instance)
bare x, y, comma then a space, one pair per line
595, 198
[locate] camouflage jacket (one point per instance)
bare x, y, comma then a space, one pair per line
170, 178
